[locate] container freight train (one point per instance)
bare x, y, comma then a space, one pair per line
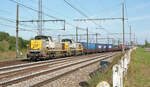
43, 47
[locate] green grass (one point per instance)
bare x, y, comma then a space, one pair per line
139, 70
104, 76
10, 55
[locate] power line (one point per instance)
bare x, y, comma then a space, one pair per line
82, 13
38, 11
21, 29
33, 28
99, 19
50, 10
14, 21
79, 11
32, 9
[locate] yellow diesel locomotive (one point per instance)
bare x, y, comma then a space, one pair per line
43, 47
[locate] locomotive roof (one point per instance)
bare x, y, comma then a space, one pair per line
66, 39
42, 36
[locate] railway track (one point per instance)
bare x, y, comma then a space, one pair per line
18, 70
25, 62
17, 74
8, 67
13, 62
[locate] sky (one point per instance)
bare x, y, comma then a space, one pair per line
137, 12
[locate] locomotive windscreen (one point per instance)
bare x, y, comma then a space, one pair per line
42, 38
67, 40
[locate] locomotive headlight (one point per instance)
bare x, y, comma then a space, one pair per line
47, 47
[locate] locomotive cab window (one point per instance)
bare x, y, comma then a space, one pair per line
67, 40
43, 38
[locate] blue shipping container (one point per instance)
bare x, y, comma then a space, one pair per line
105, 46
99, 46
91, 46
109, 46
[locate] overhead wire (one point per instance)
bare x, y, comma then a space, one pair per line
14, 21
79, 11
32, 17
21, 29
82, 13
48, 14
38, 11
31, 8
51, 10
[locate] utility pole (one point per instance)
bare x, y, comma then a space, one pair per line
123, 26
40, 24
130, 37
113, 41
118, 43
108, 38
59, 37
136, 42
134, 38
17, 26
96, 37
76, 34
40, 20
87, 38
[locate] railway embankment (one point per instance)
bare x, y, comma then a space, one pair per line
104, 74
137, 73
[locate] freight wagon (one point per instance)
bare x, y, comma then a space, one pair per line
96, 47
88, 48
125, 46
99, 47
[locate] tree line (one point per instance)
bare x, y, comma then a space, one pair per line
8, 42
147, 44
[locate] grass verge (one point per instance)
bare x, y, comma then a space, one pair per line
10, 55
104, 76
139, 69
